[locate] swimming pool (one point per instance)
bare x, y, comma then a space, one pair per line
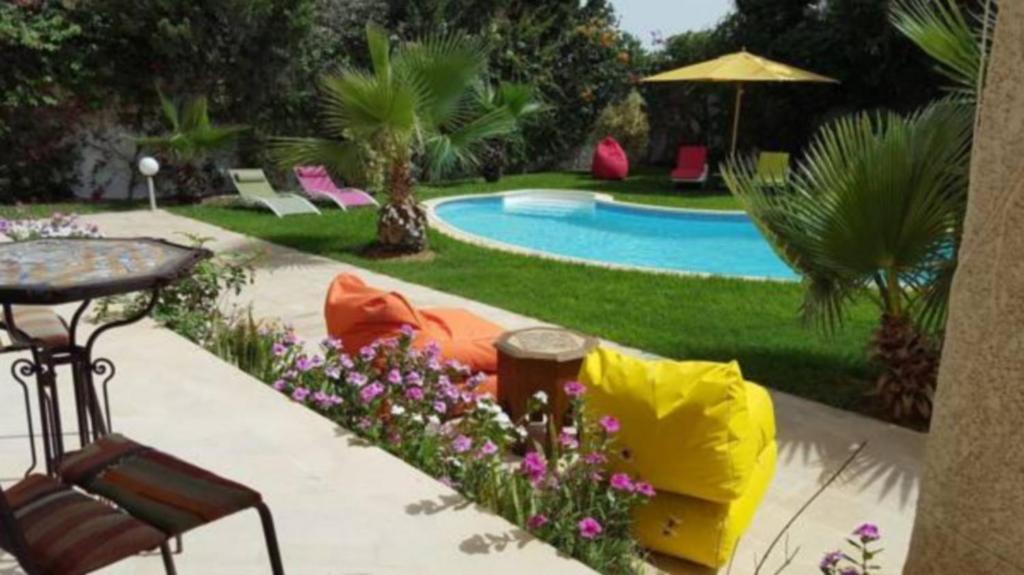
594, 228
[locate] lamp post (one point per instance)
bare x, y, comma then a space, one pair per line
148, 166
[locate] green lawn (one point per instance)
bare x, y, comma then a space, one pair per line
716, 319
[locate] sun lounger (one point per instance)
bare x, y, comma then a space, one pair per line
772, 168
253, 186
317, 184
691, 165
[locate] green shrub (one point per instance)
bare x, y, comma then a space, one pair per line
626, 121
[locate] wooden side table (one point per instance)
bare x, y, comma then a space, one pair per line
539, 359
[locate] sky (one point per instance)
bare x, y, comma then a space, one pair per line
642, 17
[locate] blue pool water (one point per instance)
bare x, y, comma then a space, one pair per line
720, 244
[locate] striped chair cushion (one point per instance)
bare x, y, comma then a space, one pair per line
159, 489
71, 534
39, 324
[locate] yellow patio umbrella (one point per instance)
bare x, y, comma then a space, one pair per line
739, 68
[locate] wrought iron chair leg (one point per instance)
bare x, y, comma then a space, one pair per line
271, 535
23, 367
165, 552
179, 545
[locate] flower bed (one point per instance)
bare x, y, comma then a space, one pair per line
58, 225
424, 410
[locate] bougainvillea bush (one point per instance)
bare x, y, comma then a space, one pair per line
423, 409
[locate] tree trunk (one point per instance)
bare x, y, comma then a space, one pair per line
972, 492
402, 223
910, 362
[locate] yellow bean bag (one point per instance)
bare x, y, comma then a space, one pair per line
705, 532
687, 427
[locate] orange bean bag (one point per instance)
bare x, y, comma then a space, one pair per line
358, 315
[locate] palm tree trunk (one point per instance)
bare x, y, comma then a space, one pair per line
402, 224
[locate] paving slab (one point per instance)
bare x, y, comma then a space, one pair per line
881, 485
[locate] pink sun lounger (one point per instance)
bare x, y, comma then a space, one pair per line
317, 184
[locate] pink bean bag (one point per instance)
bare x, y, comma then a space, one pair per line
610, 161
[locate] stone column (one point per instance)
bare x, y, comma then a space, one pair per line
970, 516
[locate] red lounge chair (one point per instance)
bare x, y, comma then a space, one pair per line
691, 165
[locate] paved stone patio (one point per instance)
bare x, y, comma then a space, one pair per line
346, 508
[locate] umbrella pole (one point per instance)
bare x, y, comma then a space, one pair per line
736, 117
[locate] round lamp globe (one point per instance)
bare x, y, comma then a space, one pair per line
148, 166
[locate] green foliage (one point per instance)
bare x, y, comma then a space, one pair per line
246, 342
850, 40
42, 66
876, 204
626, 121
942, 30
193, 136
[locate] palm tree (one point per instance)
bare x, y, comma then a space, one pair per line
521, 102
874, 209
877, 207
417, 101
191, 140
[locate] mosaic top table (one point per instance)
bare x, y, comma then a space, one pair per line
59, 271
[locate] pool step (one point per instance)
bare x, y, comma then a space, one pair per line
546, 207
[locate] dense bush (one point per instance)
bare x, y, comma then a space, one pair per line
850, 40
626, 121
42, 65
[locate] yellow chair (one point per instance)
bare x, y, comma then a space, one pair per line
772, 168
697, 431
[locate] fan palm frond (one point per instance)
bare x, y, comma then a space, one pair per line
942, 30
876, 203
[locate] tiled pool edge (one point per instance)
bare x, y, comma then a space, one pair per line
451, 231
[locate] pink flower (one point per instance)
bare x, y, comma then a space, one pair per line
414, 378
408, 330
300, 394
534, 467
278, 349
595, 458
621, 482
830, 560
367, 352
609, 424
371, 392
537, 521
357, 379
589, 528
644, 488
394, 377
440, 407
867, 532
462, 444
568, 440
346, 361
280, 385
414, 394
304, 363
488, 448
574, 388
